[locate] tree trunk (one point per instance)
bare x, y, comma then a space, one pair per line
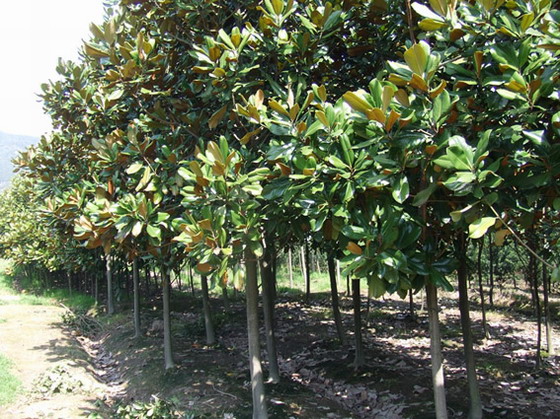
302, 265
411, 305
359, 359
334, 299
191, 278
538, 312
481, 289
136, 291
268, 308
475, 409
208, 323
129, 281
316, 254
548, 322
167, 347
533, 281
274, 263
225, 296
338, 276
435, 352
307, 271
110, 305
491, 274
147, 280
290, 268
252, 294
96, 291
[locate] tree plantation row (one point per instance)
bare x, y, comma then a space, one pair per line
388, 135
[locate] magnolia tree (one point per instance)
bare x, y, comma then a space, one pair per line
389, 138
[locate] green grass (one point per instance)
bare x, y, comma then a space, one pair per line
9, 384
31, 295
6, 285
319, 281
74, 301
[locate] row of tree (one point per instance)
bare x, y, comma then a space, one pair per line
383, 133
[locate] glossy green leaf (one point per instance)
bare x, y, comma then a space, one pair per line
480, 227
401, 189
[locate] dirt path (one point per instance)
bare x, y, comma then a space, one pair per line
32, 337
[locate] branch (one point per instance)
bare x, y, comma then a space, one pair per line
525, 245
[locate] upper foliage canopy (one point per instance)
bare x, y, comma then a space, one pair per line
217, 125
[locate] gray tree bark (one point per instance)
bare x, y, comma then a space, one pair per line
252, 294
475, 409
290, 268
268, 308
359, 358
438, 378
548, 323
136, 292
109, 273
334, 299
208, 323
167, 345
481, 290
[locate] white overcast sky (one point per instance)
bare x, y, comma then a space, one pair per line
33, 34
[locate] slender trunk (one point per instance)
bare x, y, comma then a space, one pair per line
491, 274
334, 299
538, 313
274, 261
435, 351
96, 288
307, 271
208, 323
147, 280
302, 265
268, 308
316, 254
110, 305
475, 409
290, 268
359, 359
411, 305
156, 282
530, 280
533, 281
191, 278
167, 347
225, 296
539, 318
252, 294
347, 284
129, 281
69, 279
548, 324
338, 276
136, 291
481, 289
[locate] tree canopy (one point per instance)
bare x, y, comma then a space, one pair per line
380, 130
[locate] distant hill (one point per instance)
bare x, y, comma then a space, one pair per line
10, 144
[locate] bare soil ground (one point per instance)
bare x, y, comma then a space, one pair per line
318, 378
33, 338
